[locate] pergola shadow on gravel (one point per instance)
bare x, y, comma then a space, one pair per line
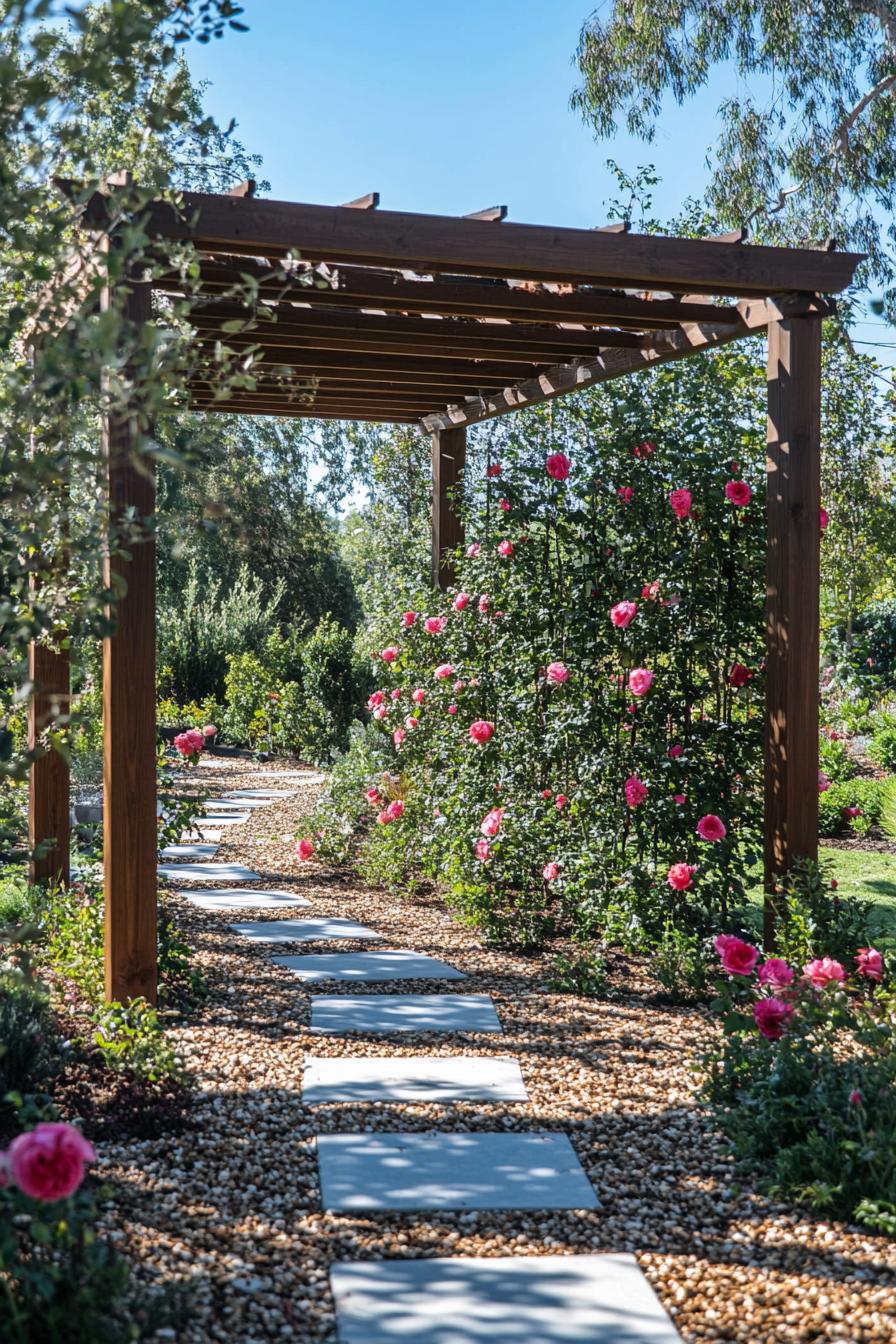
353, 313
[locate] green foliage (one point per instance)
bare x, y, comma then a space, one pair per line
875, 633
834, 759
342, 809
681, 963
130, 1038
834, 805
814, 1112
816, 919
882, 747
31, 1046
585, 975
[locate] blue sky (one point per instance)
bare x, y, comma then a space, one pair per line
443, 109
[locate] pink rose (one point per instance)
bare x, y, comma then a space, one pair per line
504, 505
483, 604
855, 1097
681, 876
557, 466
823, 782
482, 849
482, 731
189, 743
550, 872
505, 548
739, 493
823, 518
771, 1017
395, 695
651, 591
870, 963
380, 712
452, 709
473, 550
640, 680
398, 736
458, 687
623, 614
739, 675
408, 618
775, 973
411, 721
372, 795
738, 957
711, 827
560, 801
681, 503
491, 822
390, 654
209, 730
305, 847
434, 625
852, 812
461, 601
625, 493
635, 791
824, 971
546, 794
645, 449
395, 809
678, 798
375, 699
47, 1162
675, 751
443, 672
418, 696
494, 470
557, 673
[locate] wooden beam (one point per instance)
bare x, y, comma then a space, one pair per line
370, 367
449, 457
432, 242
130, 839
48, 801
494, 214
792, 604
368, 202
617, 226
290, 412
243, 189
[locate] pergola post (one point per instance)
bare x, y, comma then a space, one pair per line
130, 840
792, 606
449, 456
48, 798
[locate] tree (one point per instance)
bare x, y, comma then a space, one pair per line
807, 143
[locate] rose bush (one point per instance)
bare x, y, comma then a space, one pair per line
611, 657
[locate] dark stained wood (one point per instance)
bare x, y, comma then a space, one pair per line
449, 456
48, 801
129, 720
289, 411
433, 242
459, 296
373, 367
792, 603
243, 189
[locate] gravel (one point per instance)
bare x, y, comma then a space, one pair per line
231, 1208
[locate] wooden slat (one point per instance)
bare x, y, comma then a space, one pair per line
359, 286
792, 603
373, 367
129, 722
289, 412
617, 226
243, 189
432, 242
48, 801
368, 202
494, 214
449, 456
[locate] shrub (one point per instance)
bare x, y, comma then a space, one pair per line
803, 1082
815, 920
834, 759
854, 805
875, 628
585, 975
130, 1038
343, 807
882, 747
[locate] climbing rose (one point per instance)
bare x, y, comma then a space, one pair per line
823, 782
623, 614
395, 695
855, 1097
380, 712
411, 721
640, 680
482, 850
557, 466
681, 876
458, 687
452, 709
775, 973
678, 798
550, 872
483, 604
461, 601
823, 518
645, 449
443, 671
675, 751
305, 847
546, 794
561, 801
434, 625
870, 963
209, 730
398, 736
372, 795
738, 957
390, 654
824, 971
852, 812
739, 493
771, 1017
383, 818
739, 675
635, 791
482, 731
418, 696
711, 827
557, 673
376, 698
491, 822
494, 470
505, 548
189, 743
625, 493
47, 1162
504, 505
473, 550
681, 503
408, 618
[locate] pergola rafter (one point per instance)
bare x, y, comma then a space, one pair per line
356, 313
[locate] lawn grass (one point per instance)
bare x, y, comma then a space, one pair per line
867, 874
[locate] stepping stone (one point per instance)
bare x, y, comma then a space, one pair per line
303, 930
261, 793
189, 851
551, 1299
225, 818
205, 834
236, 898
451, 1171
233, 806
436, 1079
369, 966
208, 872
387, 1013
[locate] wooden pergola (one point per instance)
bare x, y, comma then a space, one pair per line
444, 322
